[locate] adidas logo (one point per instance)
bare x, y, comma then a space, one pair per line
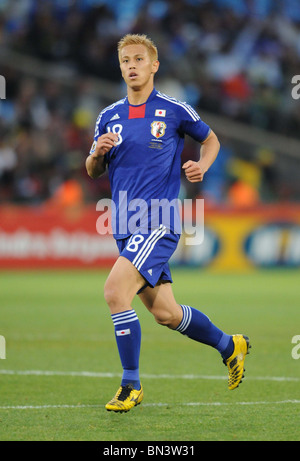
150, 272
115, 117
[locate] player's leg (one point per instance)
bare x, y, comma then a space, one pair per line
121, 286
187, 320
130, 273
161, 303
191, 322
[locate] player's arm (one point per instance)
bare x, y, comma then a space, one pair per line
95, 164
194, 171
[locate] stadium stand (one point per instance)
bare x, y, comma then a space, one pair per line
230, 59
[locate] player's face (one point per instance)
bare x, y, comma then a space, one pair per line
137, 67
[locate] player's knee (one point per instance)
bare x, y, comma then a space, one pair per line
112, 296
167, 319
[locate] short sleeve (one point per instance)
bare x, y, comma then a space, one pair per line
192, 124
99, 130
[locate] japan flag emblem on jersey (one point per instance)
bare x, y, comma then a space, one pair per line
158, 129
160, 113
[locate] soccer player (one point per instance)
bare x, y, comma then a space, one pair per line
140, 139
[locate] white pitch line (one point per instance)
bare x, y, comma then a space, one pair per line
92, 374
44, 407
158, 404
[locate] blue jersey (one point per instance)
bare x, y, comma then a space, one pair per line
145, 166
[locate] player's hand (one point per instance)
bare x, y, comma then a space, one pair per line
194, 171
104, 144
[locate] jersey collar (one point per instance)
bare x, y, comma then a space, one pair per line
151, 96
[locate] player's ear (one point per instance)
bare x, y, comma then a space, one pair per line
155, 66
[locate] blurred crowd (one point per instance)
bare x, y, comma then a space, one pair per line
234, 58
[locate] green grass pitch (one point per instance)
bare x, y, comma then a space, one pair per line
62, 365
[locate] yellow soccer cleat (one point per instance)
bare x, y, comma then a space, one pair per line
126, 398
235, 362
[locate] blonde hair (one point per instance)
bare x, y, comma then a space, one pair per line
137, 39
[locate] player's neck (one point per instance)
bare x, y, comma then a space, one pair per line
140, 96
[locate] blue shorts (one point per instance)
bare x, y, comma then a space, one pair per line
150, 253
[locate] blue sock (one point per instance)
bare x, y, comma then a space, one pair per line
128, 337
198, 326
